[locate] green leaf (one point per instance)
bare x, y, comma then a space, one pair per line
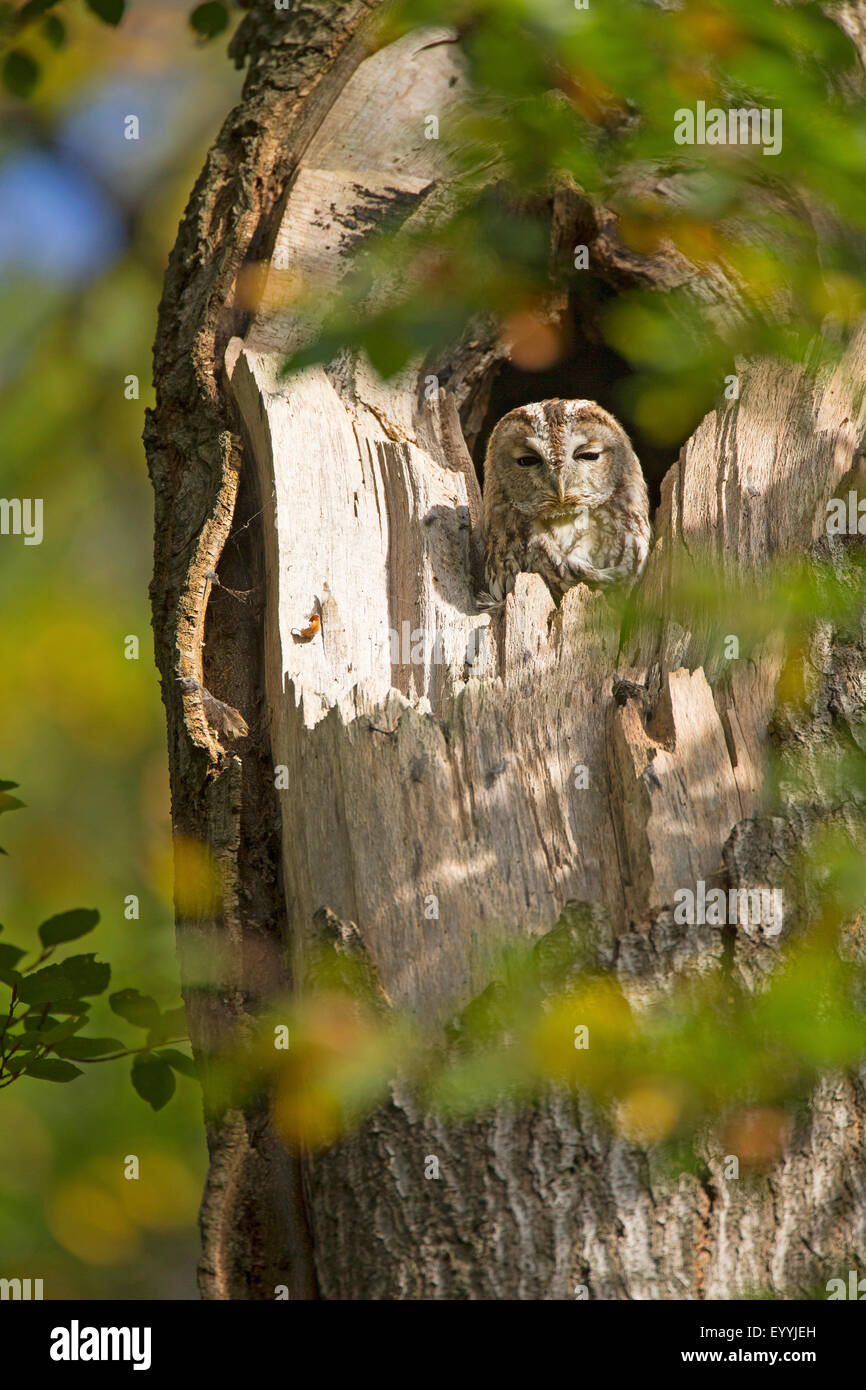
20, 74
51, 982
154, 1080
138, 1009
210, 19
179, 1061
50, 1069
24, 1049
60, 1032
9, 803
10, 956
34, 8
54, 31
88, 1047
10, 977
7, 786
57, 1032
68, 926
387, 352
39, 1025
109, 11
52, 1031
77, 976
87, 974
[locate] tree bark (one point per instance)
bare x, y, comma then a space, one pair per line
450, 771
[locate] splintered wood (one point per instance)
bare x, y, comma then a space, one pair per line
434, 754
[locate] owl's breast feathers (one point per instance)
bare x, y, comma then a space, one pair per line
613, 538
602, 546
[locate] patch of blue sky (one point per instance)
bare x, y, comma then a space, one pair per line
97, 133
54, 223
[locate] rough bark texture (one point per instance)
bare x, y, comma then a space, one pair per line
254, 1229
454, 774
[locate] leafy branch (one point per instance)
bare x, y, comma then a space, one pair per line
36, 19
41, 1029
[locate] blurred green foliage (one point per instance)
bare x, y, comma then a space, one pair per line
35, 1044
587, 98
711, 1049
714, 1060
84, 729
32, 25
710, 1058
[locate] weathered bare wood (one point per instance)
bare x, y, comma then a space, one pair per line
299, 61
493, 766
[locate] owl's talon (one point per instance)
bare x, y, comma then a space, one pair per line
486, 603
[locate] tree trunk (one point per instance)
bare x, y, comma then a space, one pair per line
447, 773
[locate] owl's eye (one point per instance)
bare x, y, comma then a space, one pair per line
590, 457
527, 460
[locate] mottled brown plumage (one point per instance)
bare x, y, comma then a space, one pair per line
564, 497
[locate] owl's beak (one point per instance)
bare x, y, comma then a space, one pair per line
565, 504
564, 497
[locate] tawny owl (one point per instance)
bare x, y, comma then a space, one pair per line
564, 497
